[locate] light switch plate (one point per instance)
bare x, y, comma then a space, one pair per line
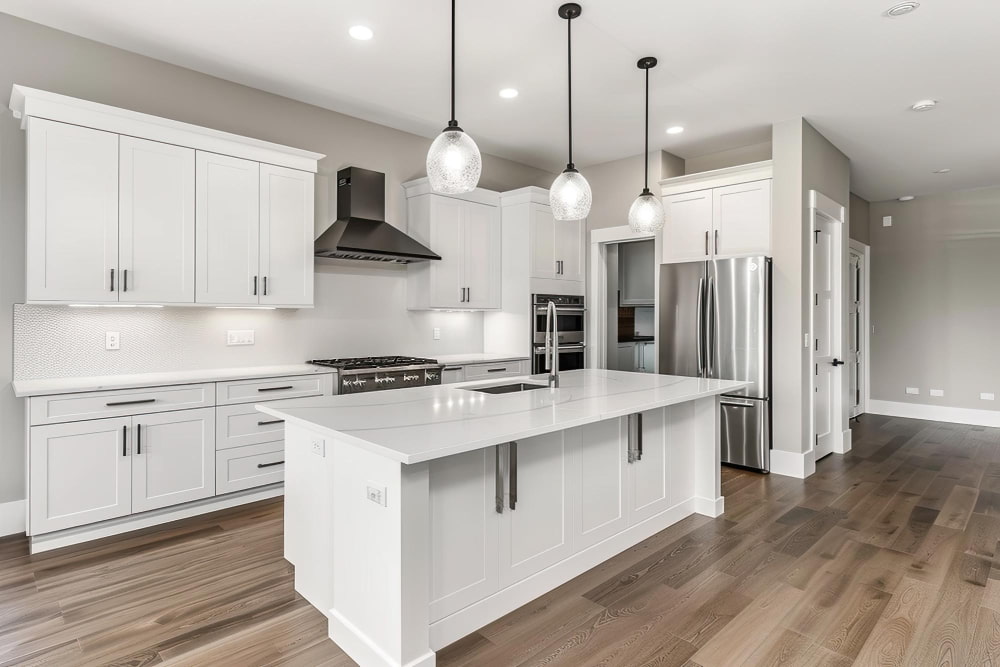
239, 337
437, 333
913, 390
319, 447
376, 494
112, 341
887, 221
937, 392
987, 396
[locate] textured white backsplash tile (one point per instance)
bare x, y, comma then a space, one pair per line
360, 310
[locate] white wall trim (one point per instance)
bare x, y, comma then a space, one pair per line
793, 464
937, 413
12, 517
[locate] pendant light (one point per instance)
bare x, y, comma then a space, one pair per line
454, 164
646, 213
570, 195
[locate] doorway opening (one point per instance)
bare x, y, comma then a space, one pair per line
858, 328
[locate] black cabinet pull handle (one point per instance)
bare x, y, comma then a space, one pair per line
275, 388
135, 402
268, 465
270, 421
138, 438
265, 285
452, 368
125, 440
125, 280
255, 285
496, 370
112, 280
512, 455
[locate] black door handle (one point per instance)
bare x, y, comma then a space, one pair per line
837, 362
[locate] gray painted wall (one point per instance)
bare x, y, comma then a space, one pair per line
935, 299
616, 184
729, 158
360, 310
860, 214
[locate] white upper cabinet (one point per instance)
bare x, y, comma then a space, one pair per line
156, 222
124, 207
72, 212
718, 214
557, 247
287, 213
228, 224
465, 232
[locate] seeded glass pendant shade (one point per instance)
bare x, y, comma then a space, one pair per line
646, 213
454, 163
570, 195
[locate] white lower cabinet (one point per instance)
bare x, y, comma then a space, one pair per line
250, 466
79, 473
599, 495
173, 458
649, 488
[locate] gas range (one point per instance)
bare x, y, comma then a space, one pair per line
362, 374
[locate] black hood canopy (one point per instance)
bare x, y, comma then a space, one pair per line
360, 231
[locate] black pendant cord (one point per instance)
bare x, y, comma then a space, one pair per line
453, 122
569, 86
645, 187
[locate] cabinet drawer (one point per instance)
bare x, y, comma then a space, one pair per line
242, 425
270, 389
246, 467
452, 374
486, 371
100, 404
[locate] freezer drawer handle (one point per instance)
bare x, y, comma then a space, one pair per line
268, 465
135, 402
737, 405
276, 388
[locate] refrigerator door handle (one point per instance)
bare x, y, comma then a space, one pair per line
710, 326
699, 324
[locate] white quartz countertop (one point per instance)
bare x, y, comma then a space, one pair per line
477, 358
51, 386
426, 423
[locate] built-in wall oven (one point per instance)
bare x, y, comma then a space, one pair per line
571, 318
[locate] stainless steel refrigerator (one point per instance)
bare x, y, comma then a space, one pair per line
715, 321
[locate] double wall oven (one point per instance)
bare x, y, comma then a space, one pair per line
571, 318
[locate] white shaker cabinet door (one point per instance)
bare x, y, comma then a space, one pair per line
287, 210
464, 530
537, 532
742, 215
600, 490
156, 222
447, 240
649, 490
687, 232
173, 458
543, 243
481, 270
569, 241
72, 213
227, 226
79, 473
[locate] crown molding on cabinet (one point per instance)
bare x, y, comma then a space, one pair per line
529, 195
29, 102
706, 180
422, 186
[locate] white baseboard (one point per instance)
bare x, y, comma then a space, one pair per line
12, 517
793, 464
710, 507
846, 442
937, 413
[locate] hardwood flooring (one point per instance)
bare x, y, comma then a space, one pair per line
886, 556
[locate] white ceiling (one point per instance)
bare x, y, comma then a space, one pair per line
728, 70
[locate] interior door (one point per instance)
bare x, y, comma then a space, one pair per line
856, 328
79, 473
742, 219
156, 222
543, 242
447, 287
173, 458
824, 336
227, 226
688, 226
536, 533
72, 209
481, 228
286, 236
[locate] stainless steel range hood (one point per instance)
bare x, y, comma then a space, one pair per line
360, 231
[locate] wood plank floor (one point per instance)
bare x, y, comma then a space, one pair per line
886, 556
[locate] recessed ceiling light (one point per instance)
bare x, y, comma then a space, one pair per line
676, 129
508, 93
901, 9
942, 171
361, 32
924, 105
907, 198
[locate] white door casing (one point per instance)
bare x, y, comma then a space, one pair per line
861, 328
854, 328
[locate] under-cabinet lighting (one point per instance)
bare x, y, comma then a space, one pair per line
115, 305
246, 307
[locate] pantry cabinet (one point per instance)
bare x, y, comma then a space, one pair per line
465, 232
717, 215
557, 247
122, 208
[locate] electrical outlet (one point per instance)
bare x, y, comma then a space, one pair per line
987, 396
913, 390
805, 340
437, 333
239, 337
319, 447
937, 392
112, 341
887, 221
376, 494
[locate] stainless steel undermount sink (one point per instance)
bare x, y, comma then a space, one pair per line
508, 388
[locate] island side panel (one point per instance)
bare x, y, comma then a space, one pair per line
708, 462
381, 559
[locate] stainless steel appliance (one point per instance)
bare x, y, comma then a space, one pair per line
362, 374
570, 322
715, 321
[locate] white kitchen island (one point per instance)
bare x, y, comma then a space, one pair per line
415, 516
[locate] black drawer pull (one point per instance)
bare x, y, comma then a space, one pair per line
275, 388
271, 421
496, 370
452, 368
269, 465
135, 402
